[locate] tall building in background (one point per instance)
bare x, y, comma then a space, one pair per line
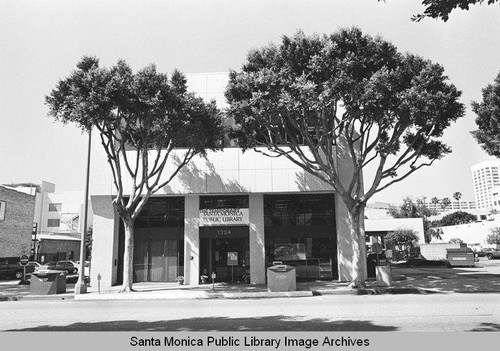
485, 176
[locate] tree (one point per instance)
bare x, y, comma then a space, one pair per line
435, 200
411, 209
457, 196
456, 241
488, 119
313, 98
445, 202
494, 237
141, 117
440, 9
402, 239
455, 218
416, 209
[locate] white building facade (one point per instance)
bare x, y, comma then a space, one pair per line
485, 176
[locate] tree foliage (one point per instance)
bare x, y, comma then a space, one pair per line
455, 218
141, 117
441, 9
402, 239
416, 209
313, 97
488, 118
445, 202
456, 241
411, 209
494, 237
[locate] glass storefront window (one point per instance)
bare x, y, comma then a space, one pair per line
300, 231
162, 212
299, 210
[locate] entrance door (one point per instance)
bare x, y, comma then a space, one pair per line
225, 251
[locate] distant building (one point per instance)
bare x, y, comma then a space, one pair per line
56, 214
485, 177
16, 222
452, 207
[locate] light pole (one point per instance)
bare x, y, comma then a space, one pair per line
81, 285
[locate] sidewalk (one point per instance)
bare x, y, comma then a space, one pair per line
484, 278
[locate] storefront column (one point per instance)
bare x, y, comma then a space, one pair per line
192, 240
257, 239
105, 229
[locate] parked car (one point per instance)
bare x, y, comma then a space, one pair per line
11, 267
492, 253
66, 266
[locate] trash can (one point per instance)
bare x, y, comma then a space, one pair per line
463, 256
48, 283
383, 275
281, 278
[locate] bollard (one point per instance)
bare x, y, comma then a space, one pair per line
98, 283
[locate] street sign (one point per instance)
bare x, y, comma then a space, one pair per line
232, 258
24, 260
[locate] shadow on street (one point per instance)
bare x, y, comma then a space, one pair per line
271, 323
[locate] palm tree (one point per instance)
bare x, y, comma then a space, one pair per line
457, 196
445, 202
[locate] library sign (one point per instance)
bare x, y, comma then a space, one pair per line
223, 216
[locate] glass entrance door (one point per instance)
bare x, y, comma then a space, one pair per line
225, 251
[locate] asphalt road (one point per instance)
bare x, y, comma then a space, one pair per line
434, 312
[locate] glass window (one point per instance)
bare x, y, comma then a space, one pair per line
162, 212
299, 210
55, 207
2, 210
53, 222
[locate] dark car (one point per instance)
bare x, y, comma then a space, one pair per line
66, 266
11, 267
492, 253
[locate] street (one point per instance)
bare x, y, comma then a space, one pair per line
406, 313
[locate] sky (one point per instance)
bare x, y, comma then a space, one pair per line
42, 40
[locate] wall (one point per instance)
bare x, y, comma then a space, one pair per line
15, 229
436, 251
472, 233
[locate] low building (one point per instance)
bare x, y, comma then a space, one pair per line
54, 212
58, 247
17, 210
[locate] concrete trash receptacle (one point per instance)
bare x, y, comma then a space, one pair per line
281, 278
383, 274
48, 283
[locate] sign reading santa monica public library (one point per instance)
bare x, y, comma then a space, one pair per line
223, 216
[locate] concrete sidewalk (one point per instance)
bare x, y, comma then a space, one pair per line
483, 278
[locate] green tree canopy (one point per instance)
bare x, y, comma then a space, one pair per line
494, 237
311, 98
402, 239
488, 119
411, 209
141, 117
416, 209
441, 9
455, 218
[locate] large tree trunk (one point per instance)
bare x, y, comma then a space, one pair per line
359, 272
128, 256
